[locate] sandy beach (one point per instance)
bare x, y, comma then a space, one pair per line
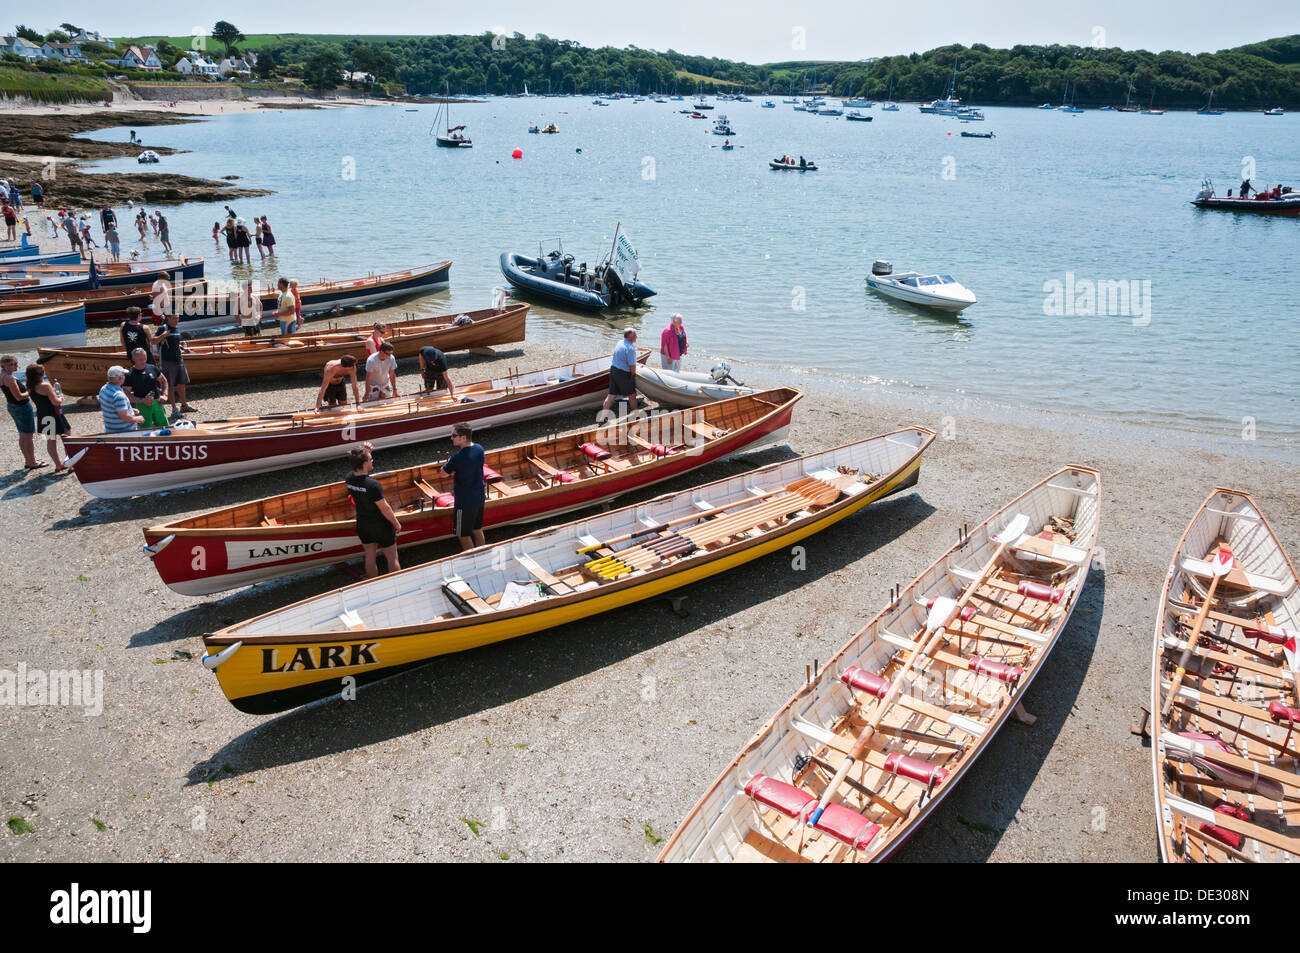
591, 741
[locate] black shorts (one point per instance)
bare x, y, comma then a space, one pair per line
433, 379
465, 522
336, 393
381, 534
621, 382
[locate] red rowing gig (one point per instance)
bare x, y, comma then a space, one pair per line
144, 461
280, 535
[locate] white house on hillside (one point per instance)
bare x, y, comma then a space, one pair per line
237, 65
91, 36
196, 64
141, 57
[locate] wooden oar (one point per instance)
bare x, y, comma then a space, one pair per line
795, 487
1221, 566
943, 611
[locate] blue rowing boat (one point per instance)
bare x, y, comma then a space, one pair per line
57, 326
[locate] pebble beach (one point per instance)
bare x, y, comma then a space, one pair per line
587, 742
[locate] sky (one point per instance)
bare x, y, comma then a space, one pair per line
757, 32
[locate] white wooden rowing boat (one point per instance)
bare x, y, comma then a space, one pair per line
912, 700
1224, 751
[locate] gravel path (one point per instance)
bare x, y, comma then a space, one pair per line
590, 741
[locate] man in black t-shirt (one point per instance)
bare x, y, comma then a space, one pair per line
135, 334
147, 389
377, 524
433, 367
172, 359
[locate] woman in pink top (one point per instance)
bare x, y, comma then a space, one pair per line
672, 345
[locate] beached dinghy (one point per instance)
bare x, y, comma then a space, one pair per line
61, 325
285, 534
552, 576
205, 451
1225, 692
689, 388
83, 370
852, 765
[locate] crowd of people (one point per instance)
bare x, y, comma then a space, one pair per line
239, 239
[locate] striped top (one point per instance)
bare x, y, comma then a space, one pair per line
112, 399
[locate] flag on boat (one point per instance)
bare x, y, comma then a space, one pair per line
623, 259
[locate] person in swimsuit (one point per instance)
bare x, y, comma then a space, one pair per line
377, 524
49, 413
268, 239
257, 236
20, 410
335, 375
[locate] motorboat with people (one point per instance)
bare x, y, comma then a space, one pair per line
721, 127
789, 163
533, 128
943, 292
1279, 200
550, 129
556, 276
147, 156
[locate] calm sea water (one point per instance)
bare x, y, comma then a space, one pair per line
768, 267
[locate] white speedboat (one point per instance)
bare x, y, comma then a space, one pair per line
687, 388
930, 291
147, 156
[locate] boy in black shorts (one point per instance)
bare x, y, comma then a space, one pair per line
377, 525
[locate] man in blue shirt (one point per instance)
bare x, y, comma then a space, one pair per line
466, 468
622, 373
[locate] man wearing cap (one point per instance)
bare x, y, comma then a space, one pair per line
115, 405
622, 372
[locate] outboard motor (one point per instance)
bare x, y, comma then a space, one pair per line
1207, 191
721, 374
881, 267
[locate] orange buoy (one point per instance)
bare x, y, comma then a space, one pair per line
517, 154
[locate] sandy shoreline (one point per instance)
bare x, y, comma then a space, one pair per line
567, 744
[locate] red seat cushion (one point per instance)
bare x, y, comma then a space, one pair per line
595, 451
490, 475
445, 499
847, 825
915, 769
1280, 713
1036, 590
865, 681
999, 670
786, 798
567, 476
659, 450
